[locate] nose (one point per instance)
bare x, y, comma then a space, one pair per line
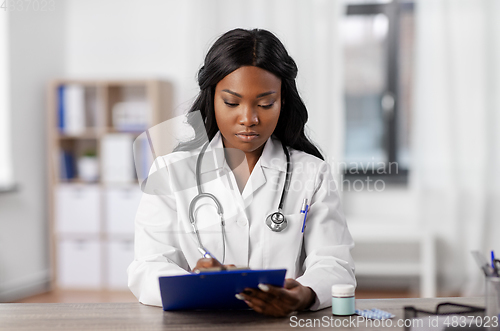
248, 116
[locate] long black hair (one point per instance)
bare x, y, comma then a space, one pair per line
259, 48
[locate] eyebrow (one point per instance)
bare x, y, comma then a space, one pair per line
240, 96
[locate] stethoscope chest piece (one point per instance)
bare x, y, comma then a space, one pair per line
276, 222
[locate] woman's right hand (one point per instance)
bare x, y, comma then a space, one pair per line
205, 263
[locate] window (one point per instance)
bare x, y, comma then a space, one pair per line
378, 47
6, 176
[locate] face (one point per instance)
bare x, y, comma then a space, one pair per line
247, 107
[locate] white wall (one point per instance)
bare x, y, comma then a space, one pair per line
163, 38
127, 39
36, 55
170, 38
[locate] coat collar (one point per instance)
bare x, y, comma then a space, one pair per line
272, 156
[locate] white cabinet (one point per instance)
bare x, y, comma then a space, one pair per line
77, 209
87, 256
79, 263
121, 206
83, 261
119, 254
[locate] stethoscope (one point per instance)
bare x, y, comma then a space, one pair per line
275, 221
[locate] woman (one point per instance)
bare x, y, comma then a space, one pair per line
251, 109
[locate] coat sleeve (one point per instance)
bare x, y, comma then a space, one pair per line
327, 241
157, 249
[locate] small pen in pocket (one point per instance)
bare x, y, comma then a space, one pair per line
304, 209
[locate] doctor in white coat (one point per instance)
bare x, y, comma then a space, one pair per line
251, 111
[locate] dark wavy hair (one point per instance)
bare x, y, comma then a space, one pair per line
259, 48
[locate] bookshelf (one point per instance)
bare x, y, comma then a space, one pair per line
92, 186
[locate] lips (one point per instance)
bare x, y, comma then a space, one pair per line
247, 136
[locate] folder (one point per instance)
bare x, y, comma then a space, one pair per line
74, 109
214, 290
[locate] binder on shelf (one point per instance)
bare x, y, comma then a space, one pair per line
117, 158
60, 108
92, 107
71, 109
130, 116
67, 162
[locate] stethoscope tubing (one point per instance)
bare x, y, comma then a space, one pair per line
273, 226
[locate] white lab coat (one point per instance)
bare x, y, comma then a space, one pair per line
165, 243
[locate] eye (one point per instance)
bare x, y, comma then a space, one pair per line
229, 104
267, 106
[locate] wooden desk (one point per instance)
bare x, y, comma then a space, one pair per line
135, 316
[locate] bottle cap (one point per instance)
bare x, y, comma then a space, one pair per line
343, 290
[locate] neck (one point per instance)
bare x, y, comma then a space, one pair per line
234, 157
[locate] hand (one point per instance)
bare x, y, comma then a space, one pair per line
279, 301
205, 263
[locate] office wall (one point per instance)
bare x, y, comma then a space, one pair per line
170, 38
36, 55
139, 39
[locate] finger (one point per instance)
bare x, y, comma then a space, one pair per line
255, 308
266, 302
256, 293
213, 262
266, 308
279, 293
291, 283
275, 295
254, 302
258, 309
273, 308
205, 263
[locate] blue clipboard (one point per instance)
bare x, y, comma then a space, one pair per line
214, 290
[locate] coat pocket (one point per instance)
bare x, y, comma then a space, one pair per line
284, 247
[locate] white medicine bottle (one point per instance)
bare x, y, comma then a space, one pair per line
343, 299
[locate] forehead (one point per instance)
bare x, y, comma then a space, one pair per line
250, 80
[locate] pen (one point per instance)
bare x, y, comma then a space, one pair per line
304, 209
482, 262
493, 259
207, 255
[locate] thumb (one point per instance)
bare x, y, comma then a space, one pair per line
291, 283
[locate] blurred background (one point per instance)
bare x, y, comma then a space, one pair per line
403, 99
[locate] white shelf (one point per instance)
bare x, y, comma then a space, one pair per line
92, 224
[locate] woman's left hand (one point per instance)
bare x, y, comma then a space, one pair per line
278, 301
